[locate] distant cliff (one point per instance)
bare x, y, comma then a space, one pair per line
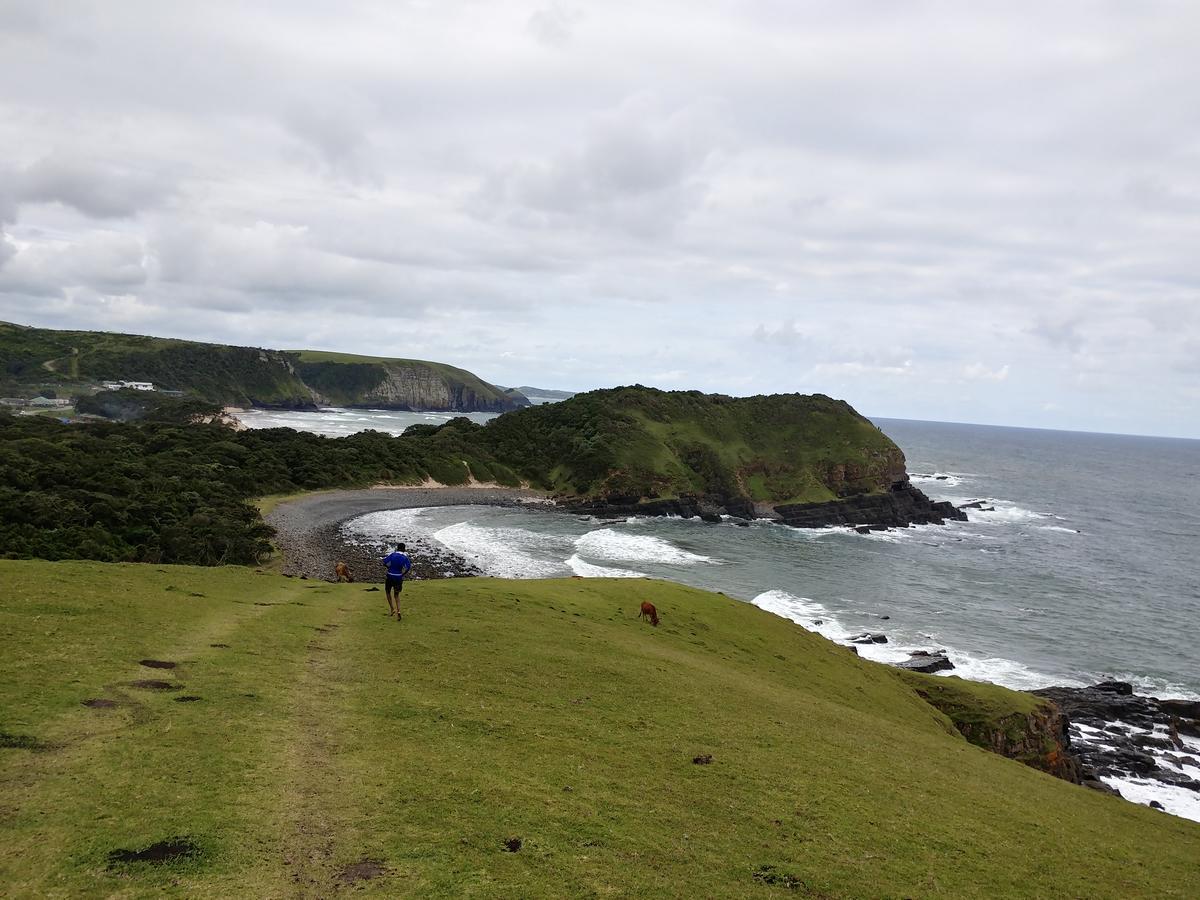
40, 359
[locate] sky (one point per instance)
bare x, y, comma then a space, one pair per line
980, 212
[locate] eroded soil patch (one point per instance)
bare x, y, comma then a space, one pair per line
152, 684
99, 703
364, 870
157, 663
11, 741
188, 698
171, 850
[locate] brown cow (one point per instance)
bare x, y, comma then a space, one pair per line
343, 571
649, 612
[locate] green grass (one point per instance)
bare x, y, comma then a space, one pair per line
543, 710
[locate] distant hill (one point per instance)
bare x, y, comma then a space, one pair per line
548, 393
38, 358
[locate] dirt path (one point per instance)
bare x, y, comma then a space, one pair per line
312, 782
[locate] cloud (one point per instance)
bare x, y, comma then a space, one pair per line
553, 25
94, 189
337, 141
765, 196
636, 170
979, 372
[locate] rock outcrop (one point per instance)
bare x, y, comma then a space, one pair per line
902, 505
1118, 733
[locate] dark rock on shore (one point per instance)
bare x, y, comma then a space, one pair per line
899, 507
927, 661
868, 637
1124, 734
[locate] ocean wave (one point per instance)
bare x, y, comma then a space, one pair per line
813, 616
1058, 528
387, 524
1002, 512
619, 546
804, 611
587, 570
944, 479
1175, 800
505, 552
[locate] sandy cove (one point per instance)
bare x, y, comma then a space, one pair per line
309, 534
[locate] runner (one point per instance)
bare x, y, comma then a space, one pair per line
398, 565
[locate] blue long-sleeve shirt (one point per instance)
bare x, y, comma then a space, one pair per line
398, 564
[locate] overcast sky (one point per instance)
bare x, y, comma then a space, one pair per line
983, 212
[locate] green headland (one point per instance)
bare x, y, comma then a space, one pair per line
304, 744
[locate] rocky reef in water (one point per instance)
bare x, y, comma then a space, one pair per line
1119, 734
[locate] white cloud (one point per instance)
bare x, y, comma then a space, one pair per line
979, 372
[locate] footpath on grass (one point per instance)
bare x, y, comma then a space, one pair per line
216, 732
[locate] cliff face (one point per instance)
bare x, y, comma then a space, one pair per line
1038, 739
1014, 724
418, 388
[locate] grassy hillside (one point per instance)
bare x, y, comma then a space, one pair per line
214, 372
636, 442
329, 743
33, 358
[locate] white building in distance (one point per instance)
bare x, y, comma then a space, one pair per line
128, 385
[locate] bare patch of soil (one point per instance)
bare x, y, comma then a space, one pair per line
11, 741
512, 844
364, 870
220, 646
100, 703
188, 698
151, 684
170, 850
703, 759
157, 663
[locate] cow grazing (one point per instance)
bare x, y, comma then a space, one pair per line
649, 612
343, 571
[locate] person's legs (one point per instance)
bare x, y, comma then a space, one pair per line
389, 587
399, 588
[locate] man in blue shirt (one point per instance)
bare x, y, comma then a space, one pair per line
398, 565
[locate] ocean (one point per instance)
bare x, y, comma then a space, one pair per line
1081, 566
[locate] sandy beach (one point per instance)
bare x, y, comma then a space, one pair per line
309, 534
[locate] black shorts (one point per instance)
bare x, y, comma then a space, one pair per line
395, 582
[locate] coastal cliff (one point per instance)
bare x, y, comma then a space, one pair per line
804, 460
1017, 725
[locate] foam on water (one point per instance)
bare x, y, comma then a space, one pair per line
505, 552
587, 570
945, 479
1003, 512
620, 546
1178, 801
804, 611
385, 525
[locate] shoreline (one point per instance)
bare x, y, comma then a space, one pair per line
309, 528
